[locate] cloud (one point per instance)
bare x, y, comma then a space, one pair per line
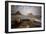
35, 10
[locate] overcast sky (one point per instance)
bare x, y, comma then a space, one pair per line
35, 10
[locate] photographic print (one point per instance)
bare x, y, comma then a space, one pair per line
24, 16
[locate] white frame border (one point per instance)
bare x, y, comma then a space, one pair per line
25, 29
